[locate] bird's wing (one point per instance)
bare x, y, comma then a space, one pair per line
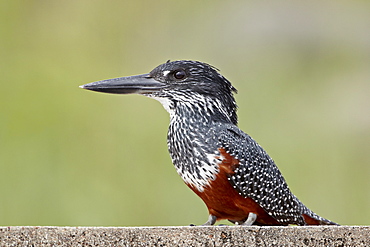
258, 177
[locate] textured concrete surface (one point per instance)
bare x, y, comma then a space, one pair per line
185, 236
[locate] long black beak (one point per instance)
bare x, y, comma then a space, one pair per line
140, 84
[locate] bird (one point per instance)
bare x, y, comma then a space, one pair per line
233, 175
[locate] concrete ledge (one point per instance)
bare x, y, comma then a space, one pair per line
185, 236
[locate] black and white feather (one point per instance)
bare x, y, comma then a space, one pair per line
203, 119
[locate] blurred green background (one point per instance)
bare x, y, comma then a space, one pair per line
73, 157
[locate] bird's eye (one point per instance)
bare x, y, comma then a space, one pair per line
179, 74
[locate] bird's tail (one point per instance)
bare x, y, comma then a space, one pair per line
314, 219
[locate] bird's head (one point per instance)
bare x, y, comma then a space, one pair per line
176, 82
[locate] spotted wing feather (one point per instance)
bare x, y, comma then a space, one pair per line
258, 177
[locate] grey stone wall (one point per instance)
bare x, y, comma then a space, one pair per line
186, 236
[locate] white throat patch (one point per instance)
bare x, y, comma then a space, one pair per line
166, 104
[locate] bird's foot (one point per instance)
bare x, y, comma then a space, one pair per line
211, 220
250, 220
